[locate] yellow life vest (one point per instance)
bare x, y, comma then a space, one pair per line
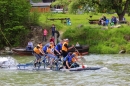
50, 49
63, 47
74, 59
36, 50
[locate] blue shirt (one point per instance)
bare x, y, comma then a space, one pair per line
45, 46
69, 58
58, 47
53, 28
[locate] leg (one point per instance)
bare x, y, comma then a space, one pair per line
38, 59
45, 38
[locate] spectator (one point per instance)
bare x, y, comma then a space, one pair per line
113, 20
68, 21
45, 32
102, 21
123, 19
53, 28
29, 46
77, 44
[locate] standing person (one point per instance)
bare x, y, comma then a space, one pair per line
53, 28
45, 32
65, 48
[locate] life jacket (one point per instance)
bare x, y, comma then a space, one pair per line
36, 50
50, 49
75, 59
63, 47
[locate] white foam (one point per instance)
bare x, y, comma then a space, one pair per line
7, 62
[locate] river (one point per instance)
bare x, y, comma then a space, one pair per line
115, 72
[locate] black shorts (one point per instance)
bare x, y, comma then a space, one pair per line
64, 53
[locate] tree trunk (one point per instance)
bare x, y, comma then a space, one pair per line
120, 16
63, 9
128, 13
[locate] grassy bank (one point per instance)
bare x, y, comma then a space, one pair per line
105, 41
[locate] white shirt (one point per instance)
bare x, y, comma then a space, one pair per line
30, 44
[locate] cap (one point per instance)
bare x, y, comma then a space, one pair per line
66, 39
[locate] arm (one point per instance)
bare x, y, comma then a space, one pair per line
41, 51
71, 47
57, 51
67, 64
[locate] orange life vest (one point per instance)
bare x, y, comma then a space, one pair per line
51, 49
74, 59
63, 47
36, 50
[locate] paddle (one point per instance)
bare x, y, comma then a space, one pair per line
83, 59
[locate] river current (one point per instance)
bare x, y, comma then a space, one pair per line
115, 72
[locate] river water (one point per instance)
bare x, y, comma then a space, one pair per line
115, 72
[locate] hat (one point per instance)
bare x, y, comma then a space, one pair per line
66, 39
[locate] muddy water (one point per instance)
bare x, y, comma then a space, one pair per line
115, 72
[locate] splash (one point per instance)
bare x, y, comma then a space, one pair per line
7, 62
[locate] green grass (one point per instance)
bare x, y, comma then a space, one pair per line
75, 19
100, 41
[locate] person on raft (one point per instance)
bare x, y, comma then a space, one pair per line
65, 47
50, 54
58, 49
37, 53
68, 62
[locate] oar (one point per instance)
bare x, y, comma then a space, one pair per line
82, 58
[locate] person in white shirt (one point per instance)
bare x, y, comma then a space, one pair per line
30, 45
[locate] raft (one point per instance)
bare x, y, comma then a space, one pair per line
42, 67
82, 69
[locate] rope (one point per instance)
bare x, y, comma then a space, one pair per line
5, 37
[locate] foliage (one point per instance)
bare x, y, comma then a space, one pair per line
100, 41
63, 3
13, 20
119, 6
33, 18
35, 1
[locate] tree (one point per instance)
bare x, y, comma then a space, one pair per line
119, 6
13, 19
63, 3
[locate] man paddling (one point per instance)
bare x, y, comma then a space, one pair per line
68, 61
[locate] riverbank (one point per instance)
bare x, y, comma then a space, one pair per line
101, 39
